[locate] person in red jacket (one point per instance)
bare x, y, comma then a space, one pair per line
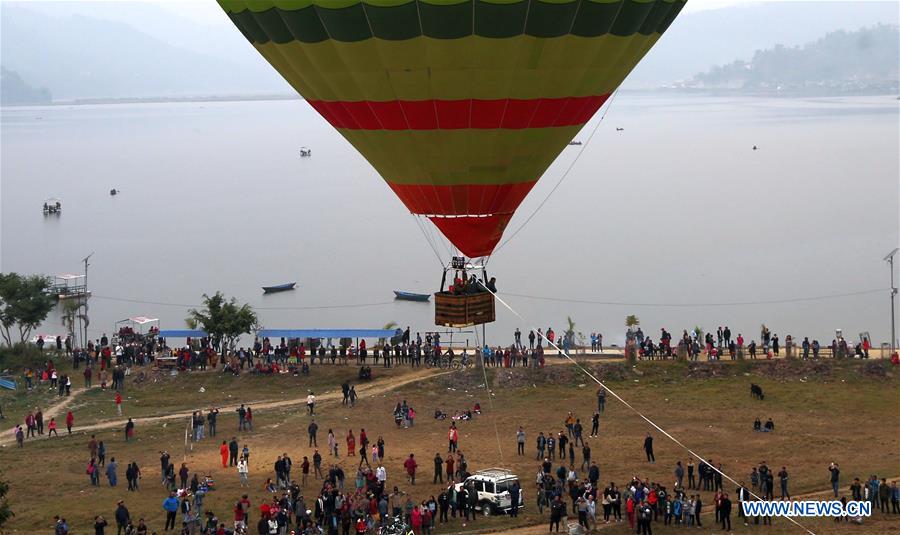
118, 403
452, 438
70, 419
411, 465
223, 452
629, 511
52, 427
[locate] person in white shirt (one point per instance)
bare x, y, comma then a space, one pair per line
381, 474
243, 472
311, 403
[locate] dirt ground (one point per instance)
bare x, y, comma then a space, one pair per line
842, 411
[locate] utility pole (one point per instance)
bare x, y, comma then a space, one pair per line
85, 297
890, 260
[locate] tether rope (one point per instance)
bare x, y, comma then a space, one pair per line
639, 413
490, 392
563, 177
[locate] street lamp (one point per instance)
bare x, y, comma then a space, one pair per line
890, 260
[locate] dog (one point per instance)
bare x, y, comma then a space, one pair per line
756, 392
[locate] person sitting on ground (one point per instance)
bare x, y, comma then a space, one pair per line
757, 425
770, 426
440, 415
477, 408
304, 368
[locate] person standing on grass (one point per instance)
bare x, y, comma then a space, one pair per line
595, 424
698, 505
690, 473
835, 477
241, 413
317, 465
520, 441
123, 518
312, 429
111, 474
243, 472
648, 448
223, 453
70, 420
783, 478
311, 403
118, 400
541, 444
438, 468
170, 506
52, 428
725, 512
129, 430
410, 465
100, 524
453, 438
601, 399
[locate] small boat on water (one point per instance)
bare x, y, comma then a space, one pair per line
409, 296
52, 205
574, 143
305, 152
279, 287
114, 191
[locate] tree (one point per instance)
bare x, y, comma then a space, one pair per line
387, 326
25, 302
223, 320
632, 321
570, 331
5, 511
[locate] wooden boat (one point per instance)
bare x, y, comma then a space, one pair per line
409, 296
279, 287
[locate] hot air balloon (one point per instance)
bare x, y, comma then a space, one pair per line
460, 105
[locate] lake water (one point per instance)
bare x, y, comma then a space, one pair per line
672, 218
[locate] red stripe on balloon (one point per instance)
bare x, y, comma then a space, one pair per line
473, 236
462, 199
458, 114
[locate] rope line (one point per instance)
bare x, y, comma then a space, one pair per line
490, 393
563, 177
638, 412
688, 305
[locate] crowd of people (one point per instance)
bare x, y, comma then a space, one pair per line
345, 488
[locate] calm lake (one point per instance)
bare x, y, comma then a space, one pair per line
675, 218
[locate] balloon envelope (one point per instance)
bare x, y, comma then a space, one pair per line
459, 105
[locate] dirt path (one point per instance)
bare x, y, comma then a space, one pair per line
375, 388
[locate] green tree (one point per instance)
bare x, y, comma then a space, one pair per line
632, 321
25, 302
570, 331
387, 326
223, 320
5, 511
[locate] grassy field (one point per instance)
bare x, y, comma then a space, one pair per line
834, 411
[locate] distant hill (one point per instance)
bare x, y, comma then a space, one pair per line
699, 40
152, 49
862, 61
85, 57
14, 91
